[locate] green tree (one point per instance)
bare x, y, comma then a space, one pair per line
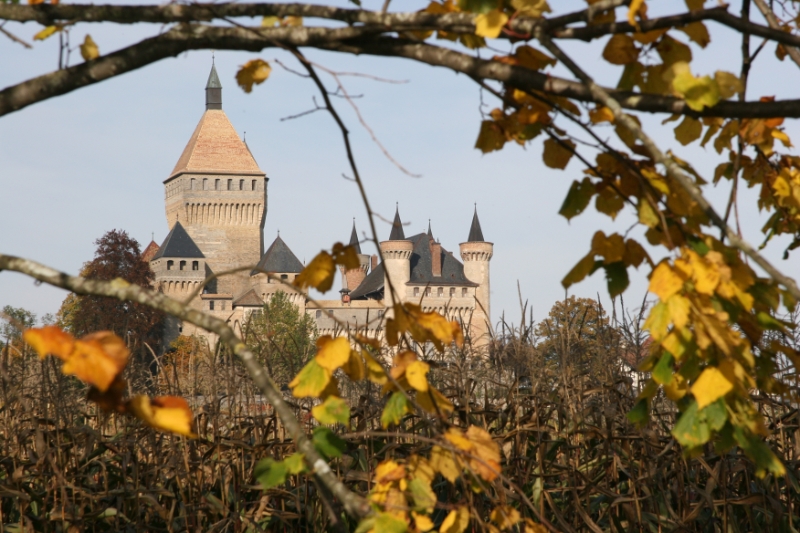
13, 321
282, 336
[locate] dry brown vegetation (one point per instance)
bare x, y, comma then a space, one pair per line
567, 446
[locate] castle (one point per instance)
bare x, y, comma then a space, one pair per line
216, 207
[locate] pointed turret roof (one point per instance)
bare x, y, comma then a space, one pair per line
278, 258
430, 233
178, 244
150, 252
397, 233
215, 147
354, 238
475, 232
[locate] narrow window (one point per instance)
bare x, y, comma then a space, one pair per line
463, 292
195, 265
193, 184
284, 276
169, 264
319, 313
183, 265
416, 291
211, 305
205, 184
222, 305
427, 291
452, 291
216, 185
440, 292
230, 185
241, 185
253, 185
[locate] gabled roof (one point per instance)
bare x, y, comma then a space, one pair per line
278, 258
249, 299
178, 244
421, 271
215, 147
475, 232
354, 242
397, 233
150, 252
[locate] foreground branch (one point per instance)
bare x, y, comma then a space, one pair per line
120, 289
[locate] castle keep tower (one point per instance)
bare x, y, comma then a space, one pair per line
218, 193
396, 267
476, 254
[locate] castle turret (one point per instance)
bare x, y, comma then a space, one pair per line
352, 278
396, 254
476, 254
219, 194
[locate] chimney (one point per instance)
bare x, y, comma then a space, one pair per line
436, 259
374, 262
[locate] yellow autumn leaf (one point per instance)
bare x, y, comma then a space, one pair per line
292, 21
664, 282
89, 49
332, 353
487, 463
505, 516
697, 32
677, 388
555, 154
416, 374
443, 461
710, 386
698, 92
530, 8
46, 32
253, 72
310, 381
434, 402
167, 413
601, 114
679, 308
490, 24
269, 22
633, 10
50, 340
375, 372
729, 84
456, 521
620, 50
318, 273
355, 368
422, 522
689, 130
345, 256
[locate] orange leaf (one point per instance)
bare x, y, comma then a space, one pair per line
97, 359
50, 340
167, 413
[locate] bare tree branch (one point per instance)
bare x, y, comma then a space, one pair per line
772, 20
122, 290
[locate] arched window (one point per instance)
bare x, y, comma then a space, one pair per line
463, 292
183, 265
452, 291
440, 292
416, 291
170, 263
427, 291
230, 185
195, 265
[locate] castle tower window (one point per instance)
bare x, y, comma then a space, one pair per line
216, 185
463, 292
211, 305
319, 313
427, 291
195, 265
241, 185
416, 291
440, 292
205, 184
452, 291
193, 184
170, 263
183, 265
254, 185
230, 185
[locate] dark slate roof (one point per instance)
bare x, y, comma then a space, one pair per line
213, 79
397, 233
430, 233
371, 285
421, 270
422, 265
178, 244
475, 233
278, 258
248, 299
354, 239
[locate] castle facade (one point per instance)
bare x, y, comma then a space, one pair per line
216, 207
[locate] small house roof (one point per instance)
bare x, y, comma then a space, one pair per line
178, 244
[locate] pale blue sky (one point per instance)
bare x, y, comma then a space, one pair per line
76, 166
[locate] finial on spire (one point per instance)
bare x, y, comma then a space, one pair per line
213, 89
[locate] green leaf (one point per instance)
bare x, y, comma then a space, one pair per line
386, 523
396, 407
760, 453
578, 197
640, 412
691, 430
332, 410
423, 495
662, 373
584, 267
327, 442
716, 414
295, 463
477, 6
270, 473
617, 278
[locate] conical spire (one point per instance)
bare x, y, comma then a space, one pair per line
475, 232
430, 233
213, 89
354, 238
397, 233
